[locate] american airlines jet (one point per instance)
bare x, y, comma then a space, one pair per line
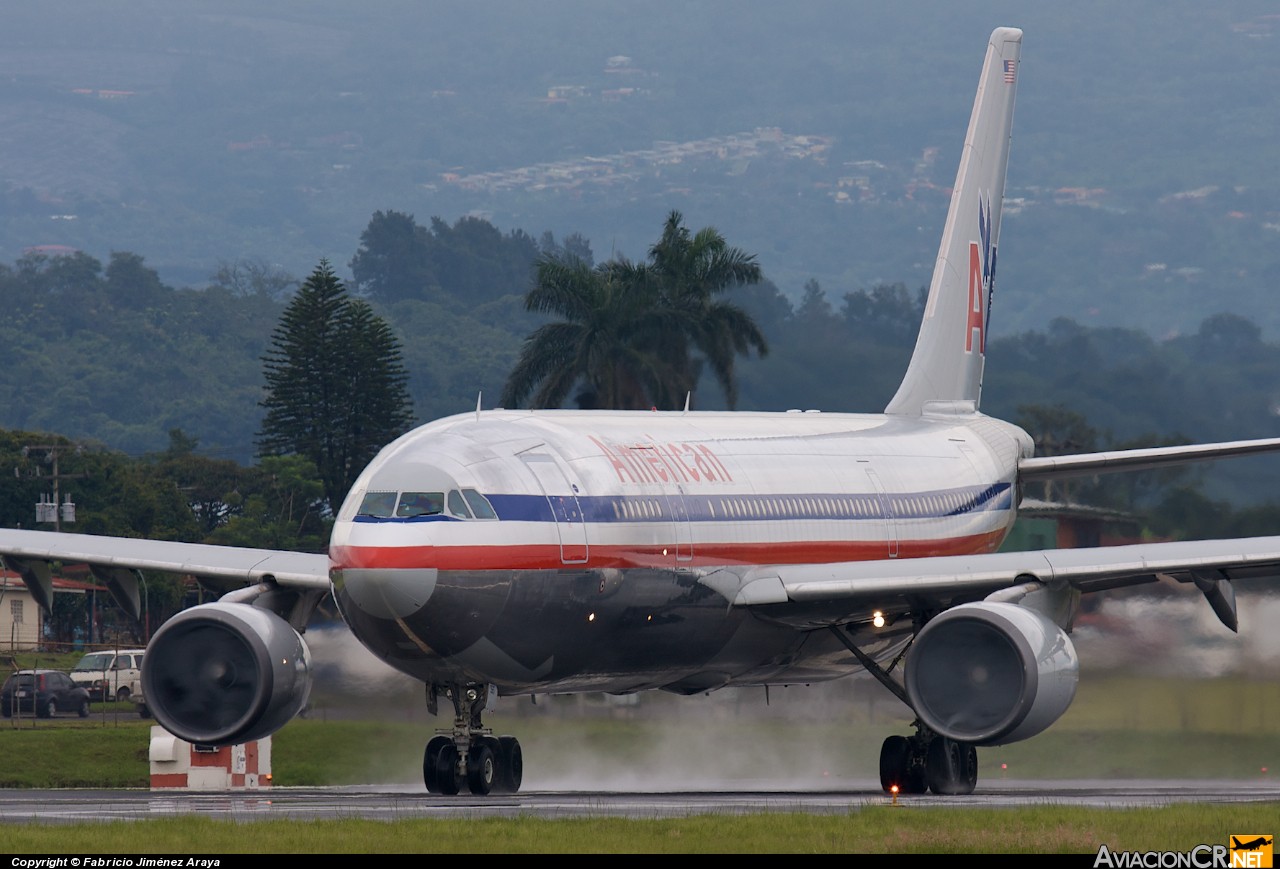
499, 553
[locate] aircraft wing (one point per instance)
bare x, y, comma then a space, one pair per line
114, 559
819, 595
1085, 464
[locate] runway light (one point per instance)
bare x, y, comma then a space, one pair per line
894, 790
877, 619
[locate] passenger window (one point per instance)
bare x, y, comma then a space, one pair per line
380, 505
420, 504
457, 506
480, 506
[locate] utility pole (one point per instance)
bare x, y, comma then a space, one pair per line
56, 512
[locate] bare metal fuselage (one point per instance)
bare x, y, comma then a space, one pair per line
621, 540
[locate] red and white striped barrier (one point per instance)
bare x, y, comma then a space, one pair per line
179, 765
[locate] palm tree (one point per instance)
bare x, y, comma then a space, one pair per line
629, 332
601, 345
692, 270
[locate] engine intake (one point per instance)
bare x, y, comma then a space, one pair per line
991, 673
225, 673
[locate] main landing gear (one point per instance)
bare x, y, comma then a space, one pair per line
928, 762
469, 757
925, 761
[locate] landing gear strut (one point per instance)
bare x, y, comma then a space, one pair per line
925, 761
469, 757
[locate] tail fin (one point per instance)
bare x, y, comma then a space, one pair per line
951, 347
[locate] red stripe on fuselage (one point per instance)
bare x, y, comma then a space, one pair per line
544, 557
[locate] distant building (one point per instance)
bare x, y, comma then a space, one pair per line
50, 250
21, 620
1057, 525
566, 92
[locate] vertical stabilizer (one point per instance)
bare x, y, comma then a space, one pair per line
951, 347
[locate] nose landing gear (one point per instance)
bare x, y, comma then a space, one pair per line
469, 757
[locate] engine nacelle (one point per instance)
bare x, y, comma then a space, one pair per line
991, 673
225, 673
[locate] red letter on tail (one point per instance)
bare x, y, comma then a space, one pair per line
976, 321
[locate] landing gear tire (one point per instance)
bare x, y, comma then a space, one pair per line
429, 761
951, 767
510, 765
481, 768
900, 765
895, 753
447, 770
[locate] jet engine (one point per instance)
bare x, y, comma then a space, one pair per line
991, 673
225, 673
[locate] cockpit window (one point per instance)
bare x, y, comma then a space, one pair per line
480, 505
465, 504
457, 506
420, 504
381, 505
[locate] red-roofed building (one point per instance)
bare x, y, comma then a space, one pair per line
21, 619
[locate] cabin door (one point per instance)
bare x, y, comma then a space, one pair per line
886, 511
562, 496
680, 516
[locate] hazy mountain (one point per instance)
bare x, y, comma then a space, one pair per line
821, 136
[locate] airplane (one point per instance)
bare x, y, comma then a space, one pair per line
1251, 845
507, 552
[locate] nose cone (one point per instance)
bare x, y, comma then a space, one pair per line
386, 571
384, 593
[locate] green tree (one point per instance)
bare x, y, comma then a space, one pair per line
601, 347
336, 385
887, 311
692, 270
392, 262
462, 264
211, 486
253, 277
1057, 431
279, 506
633, 336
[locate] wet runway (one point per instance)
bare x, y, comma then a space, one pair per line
381, 803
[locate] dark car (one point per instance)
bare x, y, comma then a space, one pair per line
46, 692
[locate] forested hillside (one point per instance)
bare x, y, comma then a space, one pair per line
107, 354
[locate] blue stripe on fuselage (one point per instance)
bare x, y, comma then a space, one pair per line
663, 507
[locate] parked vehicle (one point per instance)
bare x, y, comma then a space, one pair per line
112, 675
140, 703
45, 692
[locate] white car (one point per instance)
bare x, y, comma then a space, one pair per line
110, 675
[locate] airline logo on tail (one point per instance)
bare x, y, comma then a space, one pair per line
982, 279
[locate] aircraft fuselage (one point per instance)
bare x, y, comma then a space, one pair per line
575, 550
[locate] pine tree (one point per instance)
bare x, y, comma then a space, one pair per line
335, 381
